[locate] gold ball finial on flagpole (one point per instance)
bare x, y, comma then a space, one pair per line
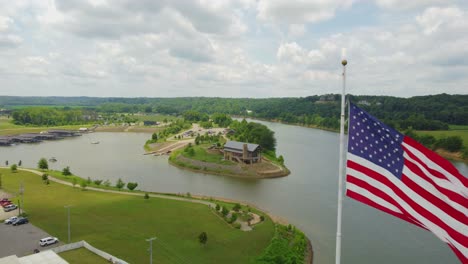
344, 62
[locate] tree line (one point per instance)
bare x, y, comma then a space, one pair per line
432, 112
52, 116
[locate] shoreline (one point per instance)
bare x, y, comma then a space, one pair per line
285, 172
195, 198
443, 153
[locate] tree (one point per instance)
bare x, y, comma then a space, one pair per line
120, 184
132, 185
43, 164
20, 163
281, 159
6, 163
146, 196
83, 185
217, 207
66, 171
97, 182
203, 238
225, 211
154, 136
236, 207
14, 168
45, 177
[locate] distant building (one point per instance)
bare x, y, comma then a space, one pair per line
242, 152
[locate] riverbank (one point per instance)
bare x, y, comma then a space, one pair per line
211, 161
40, 215
453, 156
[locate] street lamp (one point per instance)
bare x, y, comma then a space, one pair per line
68, 209
151, 248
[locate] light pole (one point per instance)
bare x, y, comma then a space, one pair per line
151, 248
21, 191
68, 209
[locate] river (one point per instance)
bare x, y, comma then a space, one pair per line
306, 198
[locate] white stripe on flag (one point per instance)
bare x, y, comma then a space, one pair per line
366, 193
430, 187
452, 184
438, 231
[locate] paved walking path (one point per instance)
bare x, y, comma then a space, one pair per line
212, 205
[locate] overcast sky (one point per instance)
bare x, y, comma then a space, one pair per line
224, 48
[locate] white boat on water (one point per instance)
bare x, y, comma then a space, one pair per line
95, 142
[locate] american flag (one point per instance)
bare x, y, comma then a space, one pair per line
394, 173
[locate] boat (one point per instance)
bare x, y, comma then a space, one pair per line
95, 142
53, 159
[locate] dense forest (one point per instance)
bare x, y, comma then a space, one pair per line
52, 116
432, 112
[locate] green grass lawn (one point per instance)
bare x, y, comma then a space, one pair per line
463, 133
203, 155
119, 224
82, 256
155, 117
8, 128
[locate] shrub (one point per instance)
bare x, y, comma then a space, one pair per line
45, 177
83, 185
120, 184
203, 238
14, 168
146, 196
88, 181
262, 218
66, 171
217, 207
97, 182
106, 183
225, 211
43, 164
74, 182
132, 185
236, 207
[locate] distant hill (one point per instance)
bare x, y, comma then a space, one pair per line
431, 112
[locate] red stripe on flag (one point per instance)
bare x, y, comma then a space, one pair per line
413, 204
363, 199
381, 194
454, 196
460, 256
434, 157
432, 198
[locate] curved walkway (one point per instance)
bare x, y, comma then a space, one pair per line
212, 205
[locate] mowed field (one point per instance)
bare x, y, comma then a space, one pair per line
119, 224
461, 131
8, 128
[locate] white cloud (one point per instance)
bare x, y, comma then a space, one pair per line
296, 30
299, 11
434, 18
230, 48
408, 4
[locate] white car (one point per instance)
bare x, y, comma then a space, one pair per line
48, 241
10, 207
11, 220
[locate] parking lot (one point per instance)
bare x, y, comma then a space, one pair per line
20, 240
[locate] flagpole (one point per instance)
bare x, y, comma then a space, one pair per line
341, 168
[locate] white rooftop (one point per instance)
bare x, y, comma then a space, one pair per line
44, 257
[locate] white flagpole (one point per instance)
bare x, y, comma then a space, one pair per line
341, 168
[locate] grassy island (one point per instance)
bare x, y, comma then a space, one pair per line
206, 159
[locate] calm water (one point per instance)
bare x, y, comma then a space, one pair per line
307, 197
